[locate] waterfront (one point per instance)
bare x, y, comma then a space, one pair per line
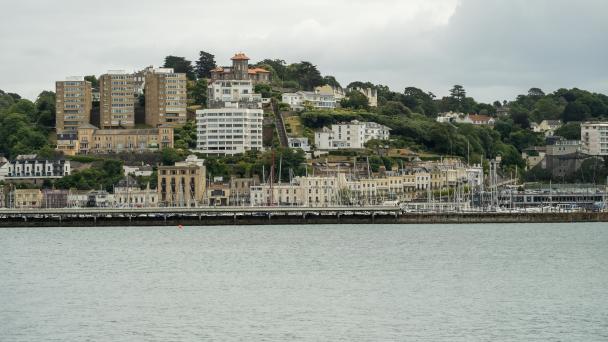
516, 282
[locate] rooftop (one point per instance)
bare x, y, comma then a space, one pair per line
240, 57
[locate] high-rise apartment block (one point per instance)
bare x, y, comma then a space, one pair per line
117, 99
166, 98
594, 136
72, 103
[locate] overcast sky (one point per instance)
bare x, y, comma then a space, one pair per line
495, 48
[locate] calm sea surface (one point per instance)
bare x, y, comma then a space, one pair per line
306, 283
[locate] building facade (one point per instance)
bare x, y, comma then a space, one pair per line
319, 99
299, 142
32, 168
27, 198
53, 198
182, 185
229, 131
117, 99
594, 136
352, 135
240, 189
92, 140
73, 103
233, 123
223, 93
78, 198
166, 97
128, 194
240, 70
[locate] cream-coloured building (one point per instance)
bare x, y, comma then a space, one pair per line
27, 198
166, 97
73, 103
117, 99
302, 191
127, 193
547, 126
182, 185
370, 93
90, 139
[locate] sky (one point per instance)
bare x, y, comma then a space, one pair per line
496, 49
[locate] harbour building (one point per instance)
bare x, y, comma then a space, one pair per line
183, 184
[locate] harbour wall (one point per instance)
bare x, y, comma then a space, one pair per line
287, 219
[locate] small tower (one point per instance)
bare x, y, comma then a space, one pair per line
240, 66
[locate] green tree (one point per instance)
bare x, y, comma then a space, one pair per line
185, 138
197, 92
45, 108
330, 80
419, 101
5, 100
264, 89
520, 116
278, 66
547, 108
104, 175
458, 93
306, 74
536, 92
94, 81
570, 131
355, 100
181, 65
204, 64
170, 156
576, 111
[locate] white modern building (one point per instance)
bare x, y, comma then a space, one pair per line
229, 130
351, 135
222, 92
594, 136
233, 123
319, 99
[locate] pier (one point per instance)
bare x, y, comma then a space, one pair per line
226, 216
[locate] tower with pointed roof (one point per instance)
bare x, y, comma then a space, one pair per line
240, 66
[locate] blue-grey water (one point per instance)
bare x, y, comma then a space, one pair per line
306, 283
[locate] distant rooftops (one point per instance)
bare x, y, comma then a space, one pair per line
74, 78
162, 70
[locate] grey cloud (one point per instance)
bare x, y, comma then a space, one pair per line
496, 49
